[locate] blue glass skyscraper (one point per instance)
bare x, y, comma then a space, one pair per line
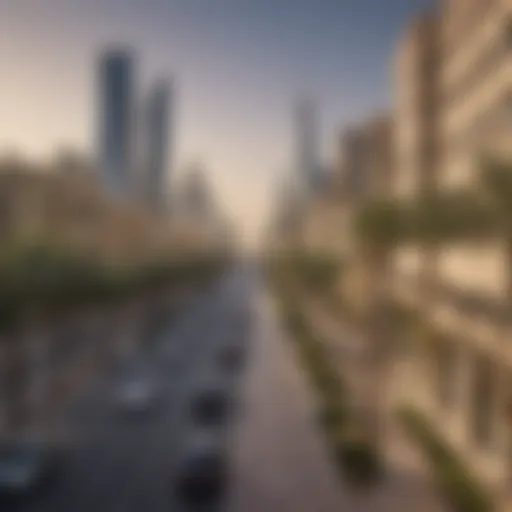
116, 84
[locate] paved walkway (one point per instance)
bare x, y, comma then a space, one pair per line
280, 464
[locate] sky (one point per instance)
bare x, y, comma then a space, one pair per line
238, 67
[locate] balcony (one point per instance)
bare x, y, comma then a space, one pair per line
471, 304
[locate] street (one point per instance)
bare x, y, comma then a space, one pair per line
118, 463
277, 460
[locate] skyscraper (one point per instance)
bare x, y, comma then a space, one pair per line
306, 132
157, 144
197, 197
116, 118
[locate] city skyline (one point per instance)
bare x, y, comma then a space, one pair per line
239, 70
207, 203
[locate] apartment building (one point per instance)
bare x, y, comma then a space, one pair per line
324, 224
416, 132
366, 162
453, 78
475, 82
416, 71
366, 158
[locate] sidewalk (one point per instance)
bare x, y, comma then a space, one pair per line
280, 462
408, 485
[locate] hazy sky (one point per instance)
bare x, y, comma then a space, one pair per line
239, 66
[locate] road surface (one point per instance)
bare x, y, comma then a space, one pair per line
278, 459
117, 464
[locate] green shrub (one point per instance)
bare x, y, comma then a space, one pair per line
357, 459
461, 488
328, 382
315, 272
332, 415
49, 280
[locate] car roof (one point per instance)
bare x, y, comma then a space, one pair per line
203, 441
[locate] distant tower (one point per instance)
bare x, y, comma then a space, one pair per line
159, 112
196, 194
306, 132
116, 118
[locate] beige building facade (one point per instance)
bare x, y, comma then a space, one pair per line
466, 78
366, 159
416, 129
416, 70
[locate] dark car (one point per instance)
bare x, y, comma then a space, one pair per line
203, 473
231, 357
26, 465
211, 406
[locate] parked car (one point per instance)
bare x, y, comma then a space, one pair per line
25, 465
211, 406
137, 395
203, 473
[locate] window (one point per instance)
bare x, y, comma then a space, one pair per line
487, 63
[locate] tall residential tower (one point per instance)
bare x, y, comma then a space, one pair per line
307, 150
116, 119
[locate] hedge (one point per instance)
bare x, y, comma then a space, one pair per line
51, 280
463, 491
356, 459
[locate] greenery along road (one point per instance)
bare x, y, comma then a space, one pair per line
353, 454
44, 280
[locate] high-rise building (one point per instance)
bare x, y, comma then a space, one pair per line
116, 119
157, 145
366, 159
417, 105
307, 151
475, 93
454, 106
417, 67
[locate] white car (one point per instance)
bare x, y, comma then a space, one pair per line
137, 395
